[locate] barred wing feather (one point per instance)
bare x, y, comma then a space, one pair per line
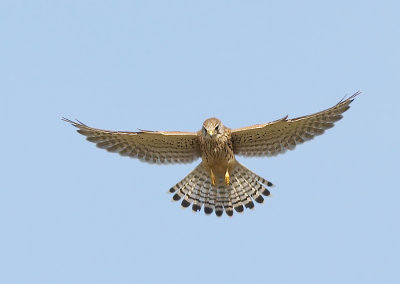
148, 146
284, 134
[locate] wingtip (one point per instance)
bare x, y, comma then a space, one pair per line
66, 119
351, 98
354, 95
75, 123
69, 121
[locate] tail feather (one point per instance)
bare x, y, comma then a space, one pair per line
200, 192
244, 197
196, 190
253, 187
190, 195
219, 208
197, 195
209, 201
224, 199
237, 199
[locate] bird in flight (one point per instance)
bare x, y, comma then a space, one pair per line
219, 183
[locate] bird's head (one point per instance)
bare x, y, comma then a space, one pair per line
212, 128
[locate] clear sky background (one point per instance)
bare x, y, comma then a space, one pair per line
72, 213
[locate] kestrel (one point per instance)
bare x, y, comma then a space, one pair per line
219, 182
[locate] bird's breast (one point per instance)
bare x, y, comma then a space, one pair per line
217, 154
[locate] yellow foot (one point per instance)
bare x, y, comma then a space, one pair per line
212, 177
227, 177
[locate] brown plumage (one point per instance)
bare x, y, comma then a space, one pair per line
219, 182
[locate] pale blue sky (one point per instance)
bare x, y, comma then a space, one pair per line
72, 213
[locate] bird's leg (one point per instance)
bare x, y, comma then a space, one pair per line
212, 177
227, 177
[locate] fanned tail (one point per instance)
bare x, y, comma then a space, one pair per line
245, 187
195, 189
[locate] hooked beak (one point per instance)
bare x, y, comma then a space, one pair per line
210, 132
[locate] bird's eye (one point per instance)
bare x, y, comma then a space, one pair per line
217, 127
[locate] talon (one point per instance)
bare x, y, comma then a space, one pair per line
212, 177
227, 181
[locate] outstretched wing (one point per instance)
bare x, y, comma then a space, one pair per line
278, 136
148, 146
